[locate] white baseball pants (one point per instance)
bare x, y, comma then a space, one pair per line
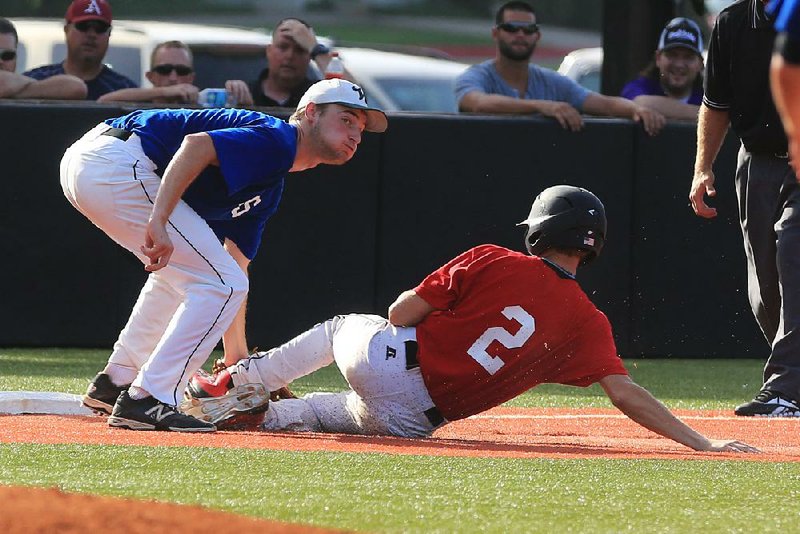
184, 308
386, 398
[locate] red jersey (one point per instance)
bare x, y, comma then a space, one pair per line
506, 322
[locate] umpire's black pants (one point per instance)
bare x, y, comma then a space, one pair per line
769, 214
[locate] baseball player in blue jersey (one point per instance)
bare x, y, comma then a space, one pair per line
189, 192
785, 72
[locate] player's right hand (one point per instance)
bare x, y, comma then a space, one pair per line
157, 246
703, 184
729, 445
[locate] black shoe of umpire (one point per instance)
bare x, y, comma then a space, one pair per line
769, 404
102, 394
151, 414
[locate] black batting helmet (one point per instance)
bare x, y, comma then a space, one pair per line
564, 216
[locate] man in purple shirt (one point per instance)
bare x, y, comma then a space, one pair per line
672, 84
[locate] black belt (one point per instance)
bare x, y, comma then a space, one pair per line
433, 414
769, 153
411, 354
119, 133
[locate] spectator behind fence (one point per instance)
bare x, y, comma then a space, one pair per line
785, 73
510, 84
12, 85
737, 94
87, 31
673, 83
172, 75
289, 56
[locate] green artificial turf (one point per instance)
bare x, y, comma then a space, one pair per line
391, 493
698, 384
399, 493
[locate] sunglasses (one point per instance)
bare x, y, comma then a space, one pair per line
97, 25
165, 69
8, 55
528, 28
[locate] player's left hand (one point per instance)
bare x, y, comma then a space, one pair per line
240, 91
157, 246
729, 445
652, 120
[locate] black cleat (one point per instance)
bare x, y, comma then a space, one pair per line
769, 404
151, 414
102, 394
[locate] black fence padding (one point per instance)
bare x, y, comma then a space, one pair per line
689, 288
451, 183
351, 238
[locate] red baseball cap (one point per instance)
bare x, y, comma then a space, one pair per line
80, 10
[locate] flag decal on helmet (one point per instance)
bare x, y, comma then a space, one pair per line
588, 241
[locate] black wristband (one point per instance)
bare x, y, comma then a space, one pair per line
789, 48
319, 49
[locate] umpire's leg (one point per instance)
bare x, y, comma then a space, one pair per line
758, 191
782, 370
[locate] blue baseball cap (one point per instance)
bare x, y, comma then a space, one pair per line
682, 32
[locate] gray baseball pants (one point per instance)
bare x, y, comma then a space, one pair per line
769, 214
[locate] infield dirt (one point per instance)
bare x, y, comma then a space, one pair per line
501, 432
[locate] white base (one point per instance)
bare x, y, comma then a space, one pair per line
42, 402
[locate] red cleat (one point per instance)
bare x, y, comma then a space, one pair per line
215, 399
204, 384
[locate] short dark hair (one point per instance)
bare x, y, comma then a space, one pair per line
514, 5
170, 44
7, 27
278, 25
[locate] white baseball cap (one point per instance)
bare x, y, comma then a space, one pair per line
348, 94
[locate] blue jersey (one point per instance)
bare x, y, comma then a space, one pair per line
255, 152
787, 16
105, 82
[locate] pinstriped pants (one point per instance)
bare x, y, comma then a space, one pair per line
184, 308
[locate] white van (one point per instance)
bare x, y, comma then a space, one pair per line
218, 51
392, 81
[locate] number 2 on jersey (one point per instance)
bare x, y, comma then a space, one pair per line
492, 364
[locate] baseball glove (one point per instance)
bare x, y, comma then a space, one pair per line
282, 393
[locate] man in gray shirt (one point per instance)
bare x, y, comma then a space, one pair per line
510, 84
